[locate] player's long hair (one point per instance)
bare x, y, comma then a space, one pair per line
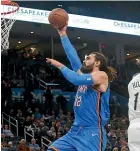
111, 72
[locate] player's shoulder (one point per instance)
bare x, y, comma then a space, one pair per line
136, 77
101, 74
135, 82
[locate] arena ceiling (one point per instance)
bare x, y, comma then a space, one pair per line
21, 31
41, 36
119, 10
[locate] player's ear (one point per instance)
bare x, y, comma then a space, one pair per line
97, 63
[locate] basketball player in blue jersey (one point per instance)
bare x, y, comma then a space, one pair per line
91, 105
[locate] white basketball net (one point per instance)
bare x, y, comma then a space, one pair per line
7, 22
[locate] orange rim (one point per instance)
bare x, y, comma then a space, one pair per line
9, 3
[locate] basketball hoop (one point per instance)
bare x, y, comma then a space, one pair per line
8, 10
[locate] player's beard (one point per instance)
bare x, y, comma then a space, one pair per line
86, 69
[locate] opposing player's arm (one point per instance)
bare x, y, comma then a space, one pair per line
71, 53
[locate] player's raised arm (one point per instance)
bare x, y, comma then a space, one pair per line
69, 50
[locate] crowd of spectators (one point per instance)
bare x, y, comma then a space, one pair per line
55, 125
53, 122
52, 125
117, 134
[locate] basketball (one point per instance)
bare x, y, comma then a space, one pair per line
58, 18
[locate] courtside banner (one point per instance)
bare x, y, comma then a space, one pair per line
78, 21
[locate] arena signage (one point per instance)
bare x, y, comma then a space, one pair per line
78, 21
17, 94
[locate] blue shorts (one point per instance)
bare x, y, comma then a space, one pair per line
81, 139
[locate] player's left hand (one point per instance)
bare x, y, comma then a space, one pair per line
63, 31
55, 63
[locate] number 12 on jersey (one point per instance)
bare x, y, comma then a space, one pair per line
136, 101
78, 101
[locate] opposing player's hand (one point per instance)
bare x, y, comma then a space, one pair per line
55, 63
63, 30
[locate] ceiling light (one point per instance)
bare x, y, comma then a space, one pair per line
85, 44
137, 59
128, 54
78, 37
60, 5
32, 32
19, 42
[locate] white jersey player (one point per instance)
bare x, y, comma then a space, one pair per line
134, 114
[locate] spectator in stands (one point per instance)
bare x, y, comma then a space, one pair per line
53, 114
8, 91
7, 132
19, 114
11, 147
62, 103
33, 145
59, 134
28, 121
11, 113
37, 114
21, 120
22, 146
32, 117
2, 137
116, 149
116, 144
66, 129
42, 130
52, 133
68, 114
60, 113
42, 149
124, 124
108, 147
4, 146
112, 104
124, 149
49, 100
6, 94
30, 149
29, 112
28, 97
63, 120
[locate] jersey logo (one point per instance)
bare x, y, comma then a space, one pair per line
88, 79
82, 88
94, 134
78, 100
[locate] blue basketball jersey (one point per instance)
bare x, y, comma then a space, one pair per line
91, 107
91, 114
